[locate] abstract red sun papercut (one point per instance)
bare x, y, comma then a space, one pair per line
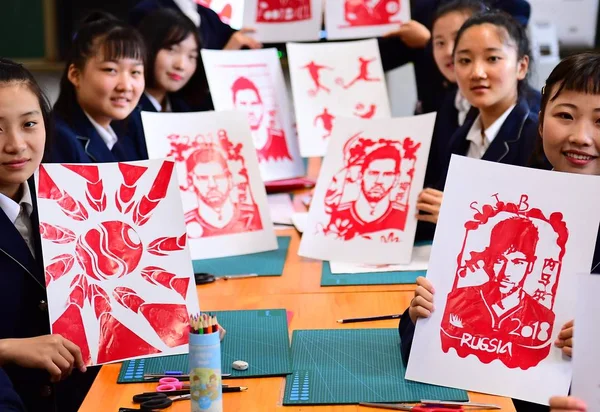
119, 281
509, 268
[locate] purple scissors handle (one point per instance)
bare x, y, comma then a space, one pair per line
169, 385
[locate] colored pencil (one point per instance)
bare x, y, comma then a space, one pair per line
371, 318
234, 389
249, 275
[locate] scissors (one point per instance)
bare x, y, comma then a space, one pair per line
432, 406
170, 384
204, 278
151, 401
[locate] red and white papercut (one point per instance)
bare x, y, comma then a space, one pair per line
224, 198
119, 281
359, 19
277, 21
229, 11
506, 251
364, 205
331, 81
251, 81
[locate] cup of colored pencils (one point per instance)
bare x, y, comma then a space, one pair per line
205, 364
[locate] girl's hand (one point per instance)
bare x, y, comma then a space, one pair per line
240, 39
565, 339
53, 353
429, 201
421, 305
567, 404
413, 34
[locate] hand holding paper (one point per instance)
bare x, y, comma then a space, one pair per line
421, 305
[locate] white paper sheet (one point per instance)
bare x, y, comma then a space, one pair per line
420, 260
507, 246
300, 219
331, 81
224, 199
119, 281
229, 11
282, 209
586, 357
364, 204
251, 81
277, 21
351, 19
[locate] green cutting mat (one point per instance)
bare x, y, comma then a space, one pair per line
380, 278
259, 337
263, 264
348, 366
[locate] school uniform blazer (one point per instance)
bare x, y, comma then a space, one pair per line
78, 141
9, 399
177, 105
213, 32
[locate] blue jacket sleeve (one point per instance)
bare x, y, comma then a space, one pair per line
9, 399
214, 33
407, 331
65, 146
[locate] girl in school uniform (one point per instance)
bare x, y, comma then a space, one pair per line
491, 60
172, 52
568, 126
99, 90
33, 359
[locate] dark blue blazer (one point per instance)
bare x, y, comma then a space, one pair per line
23, 296
213, 32
76, 140
9, 399
177, 104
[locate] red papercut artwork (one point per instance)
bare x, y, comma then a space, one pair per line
265, 119
107, 250
326, 120
370, 12
314, 71
364, 112
501, 303
224, 14
282, 11
368, 196
217, 178
363, 74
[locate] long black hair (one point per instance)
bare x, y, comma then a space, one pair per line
14, 73
160, 30
463, 6
99, 31
516, 32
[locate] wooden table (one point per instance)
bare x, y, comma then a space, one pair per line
313, 307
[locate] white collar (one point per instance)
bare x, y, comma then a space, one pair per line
108, 135
491, 132
12, 208
190, 9
157, 104
462, 106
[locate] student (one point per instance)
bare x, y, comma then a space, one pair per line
32, 358
101, 86
411, 43
9, 399
172, 48
491, 60
213, 32
568, 127
567, 404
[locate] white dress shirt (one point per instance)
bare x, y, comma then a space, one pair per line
108, 135
20, 214
462, 105
157, 105
482, 139
190, 9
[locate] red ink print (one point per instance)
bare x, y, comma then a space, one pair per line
501, 304
326, 119
368, 197
363, 74
314, 70
282, 11
370, 12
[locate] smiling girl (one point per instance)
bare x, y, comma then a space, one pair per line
101, 86
173, 46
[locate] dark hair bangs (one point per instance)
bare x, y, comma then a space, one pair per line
176, 35
577, 77
122, 43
